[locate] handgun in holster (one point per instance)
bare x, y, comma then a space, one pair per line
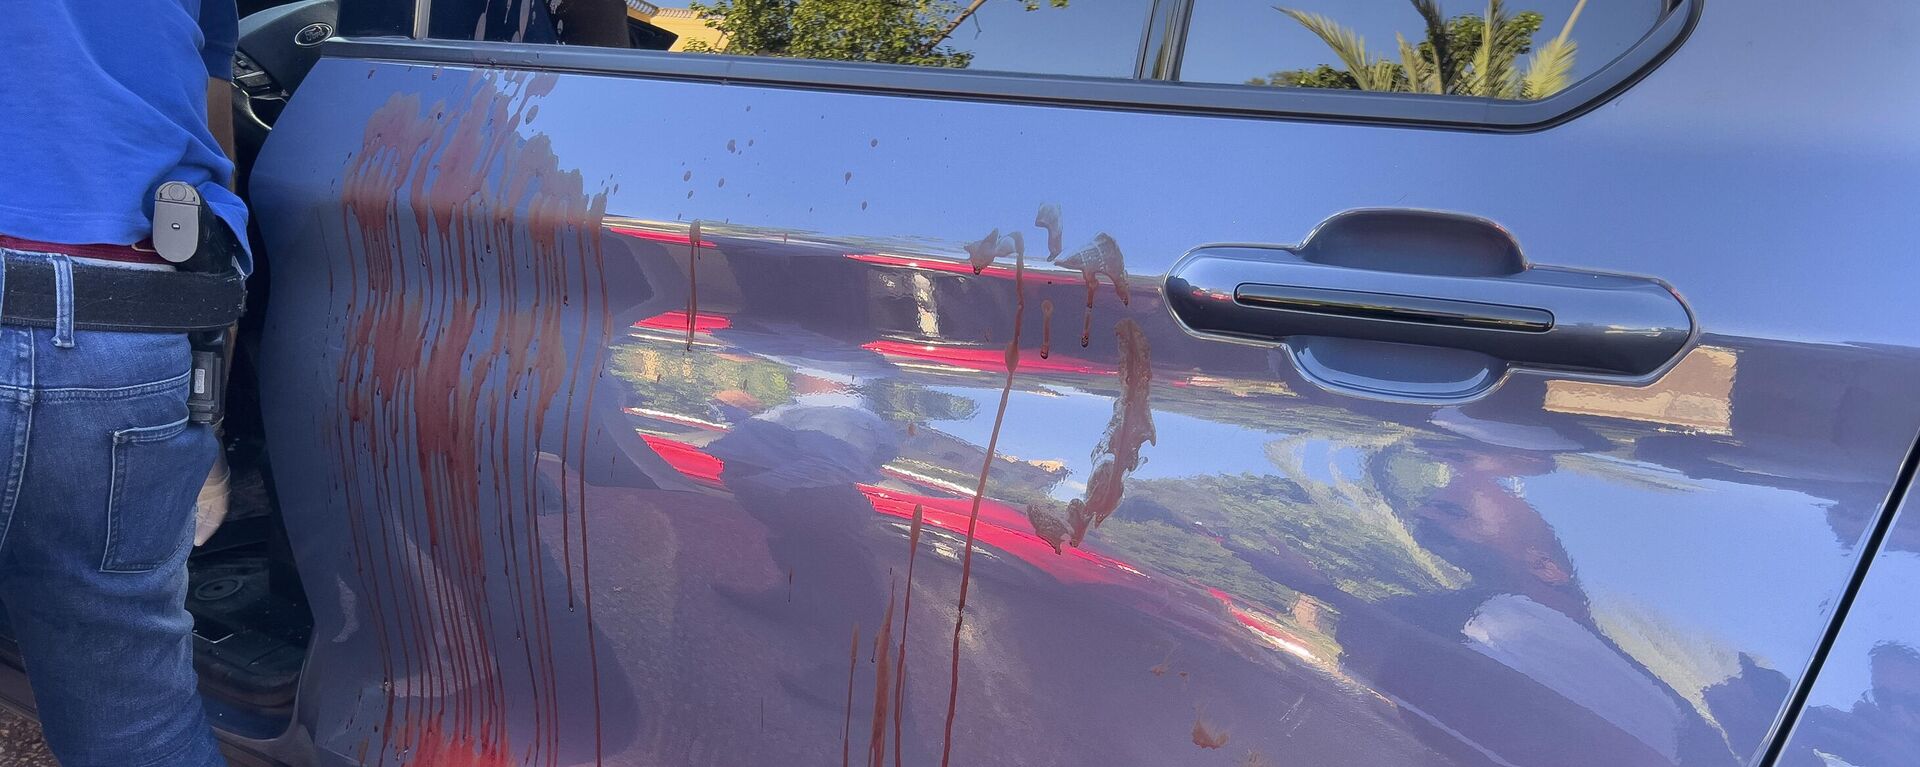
188, 234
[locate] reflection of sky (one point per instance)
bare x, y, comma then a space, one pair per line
1321, 459
1075, 421
1230, 41
1088, 37
1882, 613
1734, 561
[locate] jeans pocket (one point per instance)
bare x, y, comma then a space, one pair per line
157, 474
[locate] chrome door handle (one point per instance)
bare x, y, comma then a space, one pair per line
1535, 317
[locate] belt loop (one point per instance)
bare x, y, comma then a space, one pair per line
63, 301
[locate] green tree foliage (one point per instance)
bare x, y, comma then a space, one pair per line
1456, 56
1323, 76
887, 31
902, 402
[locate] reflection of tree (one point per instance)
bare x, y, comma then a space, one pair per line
902, 402
1262, 530
1458, 56
885, 31
689, 385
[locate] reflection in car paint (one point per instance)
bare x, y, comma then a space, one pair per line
1366, 537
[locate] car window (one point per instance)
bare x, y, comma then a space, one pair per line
1539, 47
1100, 38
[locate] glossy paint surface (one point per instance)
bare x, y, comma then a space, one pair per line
1862, 708
629, 421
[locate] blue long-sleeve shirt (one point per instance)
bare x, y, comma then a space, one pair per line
100, 102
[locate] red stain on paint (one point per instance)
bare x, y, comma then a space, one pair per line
1131, 426
1046, 328
883, 644
846, 730
980, 254
473, 260
1100, 257
1048, 526
994, 246
693, 276
1161, 668
906, 611
1206, 735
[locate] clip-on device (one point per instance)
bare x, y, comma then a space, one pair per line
188, 235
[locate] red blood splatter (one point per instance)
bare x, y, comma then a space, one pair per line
1206, 735
877, 743
461, 301
1015, 244
1100, 257
1118, 452
906, 611
693, 277
1046, 328
846, 730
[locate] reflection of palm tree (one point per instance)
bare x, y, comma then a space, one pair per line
1464, 56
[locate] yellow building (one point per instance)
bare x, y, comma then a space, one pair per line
683, 23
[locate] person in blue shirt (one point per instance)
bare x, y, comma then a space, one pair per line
100, 103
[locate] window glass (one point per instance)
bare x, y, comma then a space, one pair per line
1099, 38
1539, 47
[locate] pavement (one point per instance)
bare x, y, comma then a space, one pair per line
20, 744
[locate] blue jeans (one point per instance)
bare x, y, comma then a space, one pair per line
96, 520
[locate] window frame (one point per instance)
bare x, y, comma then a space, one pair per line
384, 29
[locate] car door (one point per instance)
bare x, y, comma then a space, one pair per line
1098, 384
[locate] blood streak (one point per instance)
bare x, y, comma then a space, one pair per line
693, 279
980, 255
1046, 327
1206, 735
1117, 453
1097, 258
1047, 525
906, 611
470, 263
877, 742
846, 730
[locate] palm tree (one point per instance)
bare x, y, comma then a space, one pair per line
1436, 66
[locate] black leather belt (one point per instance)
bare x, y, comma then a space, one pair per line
120, 299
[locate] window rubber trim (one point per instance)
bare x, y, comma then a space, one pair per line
1399, 109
